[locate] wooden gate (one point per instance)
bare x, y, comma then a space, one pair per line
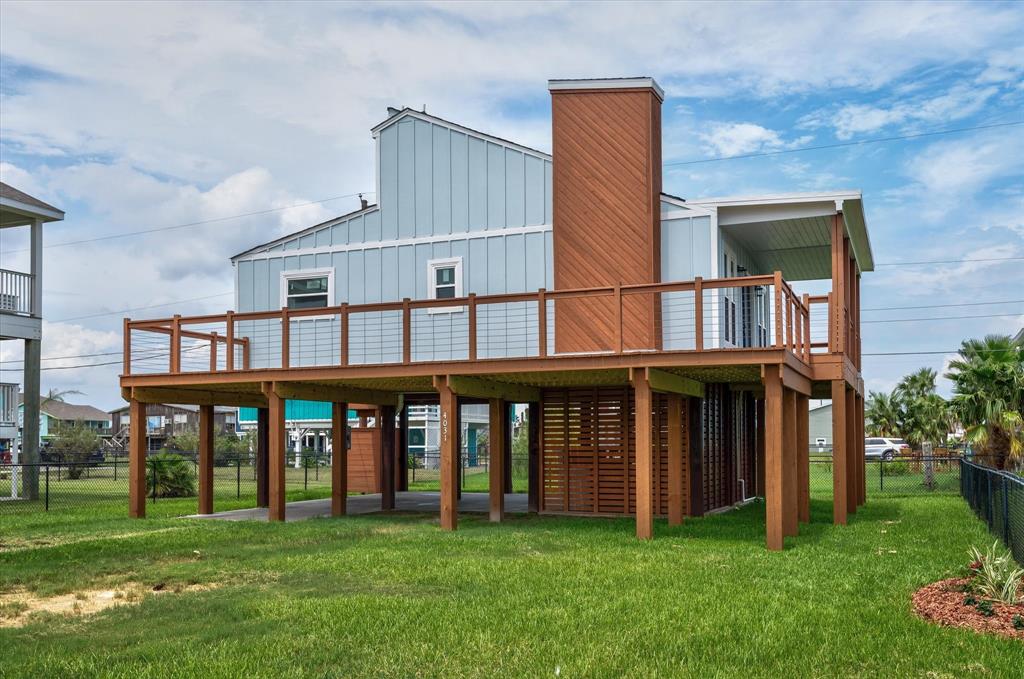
588, 463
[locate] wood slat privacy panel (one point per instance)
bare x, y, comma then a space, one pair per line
363, 476
588, 462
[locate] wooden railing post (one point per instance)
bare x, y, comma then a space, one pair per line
542, 323
779, 338
286, 329
618, 318
229, 336
698, 313
790, 309
343, 357
406, 332
176, 345
213, 351
472, 326
126, 368
831, 326
245, 354
807, 326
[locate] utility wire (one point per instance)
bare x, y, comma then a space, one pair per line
941, 306
952, 261
199, 223
142, 308
876, 140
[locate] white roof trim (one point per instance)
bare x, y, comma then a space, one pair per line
426, 117
30, 210
308, 230
607, 84
778, 198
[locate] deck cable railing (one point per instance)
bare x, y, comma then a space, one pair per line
745, 313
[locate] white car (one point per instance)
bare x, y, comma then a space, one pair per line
880, 448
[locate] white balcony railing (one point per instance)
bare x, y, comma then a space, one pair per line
15, 292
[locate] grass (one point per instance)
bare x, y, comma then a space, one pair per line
535, 596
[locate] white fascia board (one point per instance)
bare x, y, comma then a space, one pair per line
415, 240
607, 84
426, 117
31, 211
730, 201
308, 230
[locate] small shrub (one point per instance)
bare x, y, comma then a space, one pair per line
970, 601
1018, 622
171, 475
996, 576
985, 608
899, 468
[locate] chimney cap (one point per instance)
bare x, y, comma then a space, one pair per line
606, 84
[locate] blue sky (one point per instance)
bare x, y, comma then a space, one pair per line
135, 116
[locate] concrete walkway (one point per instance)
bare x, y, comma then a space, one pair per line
515, 503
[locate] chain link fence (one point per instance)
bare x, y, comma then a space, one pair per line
900, 476
425, 471
997, 497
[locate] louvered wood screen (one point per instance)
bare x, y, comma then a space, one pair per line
588, 461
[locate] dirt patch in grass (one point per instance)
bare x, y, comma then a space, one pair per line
18, 607
947, 603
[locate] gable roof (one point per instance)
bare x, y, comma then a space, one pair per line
426, 117
18, 208
69, 412
288, 236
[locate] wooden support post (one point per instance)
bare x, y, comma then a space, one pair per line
343, 335
759, 434
262, 457
449, 454
286, 331
206, 443
387, 457
644, 457
839, 466
533, 463
276, 451
852, 456
339, 459
402, 451
803, 449
861, 467
229, 338
698, 313
695, 427
472, 320
509, 415
137, 477
790, 480
496, 465
542, 323
675, 459
774, 465
213, 352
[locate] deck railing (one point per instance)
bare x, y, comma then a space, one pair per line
748, 312
15, 292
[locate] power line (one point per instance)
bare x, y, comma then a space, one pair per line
876, 140
925, 353
941, 306
142, 308
942, 318
199, 223
952, 261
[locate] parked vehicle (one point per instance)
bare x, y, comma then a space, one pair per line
884, 448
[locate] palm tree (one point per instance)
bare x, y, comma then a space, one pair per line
988, 396
882, 412
57, 396
920, 414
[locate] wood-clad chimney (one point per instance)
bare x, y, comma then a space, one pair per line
606, 148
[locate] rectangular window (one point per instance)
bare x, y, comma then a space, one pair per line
310, 289
444, 281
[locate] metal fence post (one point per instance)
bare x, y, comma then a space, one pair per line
1006, 510
238, 478
47, 501
154, 480
881, 475
305, 473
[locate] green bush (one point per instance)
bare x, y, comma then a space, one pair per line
74, 444
901, 468
995, 575
171, 475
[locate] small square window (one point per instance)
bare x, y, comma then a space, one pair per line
306, 289
445, 280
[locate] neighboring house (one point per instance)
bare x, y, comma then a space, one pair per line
490, 272
55, 414
163, 421
21, 311
308, 425
820, 428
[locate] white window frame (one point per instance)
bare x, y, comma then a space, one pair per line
298, 274
432, 266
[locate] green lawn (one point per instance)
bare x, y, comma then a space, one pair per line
394, 596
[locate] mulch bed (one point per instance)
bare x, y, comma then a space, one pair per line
942, 602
